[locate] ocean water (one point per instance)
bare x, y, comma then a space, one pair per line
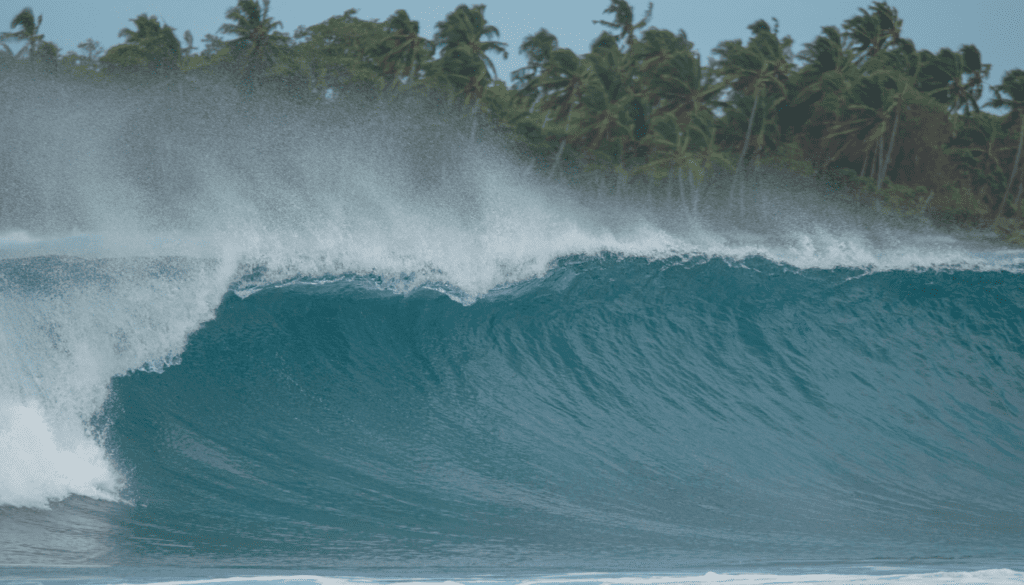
260, 351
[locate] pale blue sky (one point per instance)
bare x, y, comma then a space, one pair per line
995, 26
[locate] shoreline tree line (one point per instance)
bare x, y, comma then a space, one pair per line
858, 107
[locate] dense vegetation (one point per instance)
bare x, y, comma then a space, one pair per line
859, 107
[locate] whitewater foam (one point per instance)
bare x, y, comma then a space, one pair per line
67, 327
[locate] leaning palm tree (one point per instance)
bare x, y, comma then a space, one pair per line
604, 99
404, 48
465, 40
873, 31
1010, 94
466, 34
26, 28
761, 70
538, 48
823, 85
561, 85
256, 43
622, 20
151, 48
955, 78
683, 89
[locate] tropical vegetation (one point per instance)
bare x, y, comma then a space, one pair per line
859, 108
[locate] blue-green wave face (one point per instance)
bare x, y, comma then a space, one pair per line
245, 341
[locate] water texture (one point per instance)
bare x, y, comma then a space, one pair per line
307, 353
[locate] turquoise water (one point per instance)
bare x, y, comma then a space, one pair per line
615, 413
237, 349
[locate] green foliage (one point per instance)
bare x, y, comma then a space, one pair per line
465, 39
859, 106
257, 44
151, 48
339, 53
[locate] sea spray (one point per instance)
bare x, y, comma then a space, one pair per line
67, 326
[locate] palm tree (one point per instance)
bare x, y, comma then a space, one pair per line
1012, 88
682, 96
561, 85
604, 98
873, 31
824, 83
761, 70
538, 49
465, 40
974, 150
92, 50
689, 148
623, 20
955, 78
466, 33
151, 47
872, 103
404, 49
257, 43
29, 24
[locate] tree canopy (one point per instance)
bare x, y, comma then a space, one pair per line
859, 106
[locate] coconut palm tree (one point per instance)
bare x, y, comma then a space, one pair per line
465, 40
975, 150
152, 47
604, 99
822, 89
682, 96
680, 86
29, 25
622, 20
404, 49
465, 36
955, 78
873, 31
1010, 94
761, 69
561, 85
257, 43
538, 48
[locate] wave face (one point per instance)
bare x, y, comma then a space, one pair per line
231, 340
618, 409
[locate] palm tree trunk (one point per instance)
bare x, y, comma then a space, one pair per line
472, 131
955, 112
888, 154
750, 128
682, 187
746, 142
693, 187
867, 157
926, 202
874, 161
561, 147
1013, 173
558, 158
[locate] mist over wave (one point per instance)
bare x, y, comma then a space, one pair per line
623, 368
